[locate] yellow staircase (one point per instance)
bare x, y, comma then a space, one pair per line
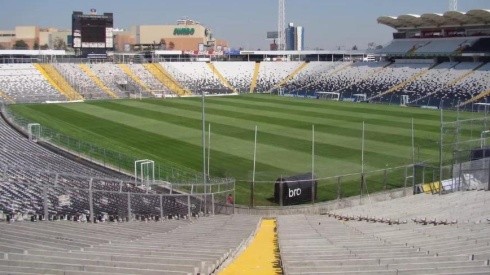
6, 97
261, 256
290, 76
97, 80
58, 81
166, 79
125, 68
254, 77
476, 98
221, 78
402, 84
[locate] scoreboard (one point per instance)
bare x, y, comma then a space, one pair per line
92, 32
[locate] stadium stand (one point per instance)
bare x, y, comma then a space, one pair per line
312, 77
196, 76
420, 234
402, 46
80, 81
58, 81
38, 181
239, 74
160, 73
18, 151
474, 86
389, 77
24, 83
438, 84
169, 247
271, 73
443, 46
428, 46
116, 80
152, 83
426, 83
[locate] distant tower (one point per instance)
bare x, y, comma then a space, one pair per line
453, 5
281, 25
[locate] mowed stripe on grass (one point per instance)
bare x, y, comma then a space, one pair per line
170, 131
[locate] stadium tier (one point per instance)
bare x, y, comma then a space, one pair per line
420, 234
169, 247
425, 82
24, 83
38, 181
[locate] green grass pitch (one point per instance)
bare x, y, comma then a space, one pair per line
170, 131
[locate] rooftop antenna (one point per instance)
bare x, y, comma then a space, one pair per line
281, 25
453, 5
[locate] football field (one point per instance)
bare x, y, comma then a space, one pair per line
169, 131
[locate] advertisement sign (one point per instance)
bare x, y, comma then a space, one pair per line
184, 31
295, 190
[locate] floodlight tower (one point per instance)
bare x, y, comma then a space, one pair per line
453, 5
281, 25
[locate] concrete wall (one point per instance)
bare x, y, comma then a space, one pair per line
320, 208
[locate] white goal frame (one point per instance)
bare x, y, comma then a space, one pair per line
328, 95
360, 97
30, 130
146, 171
404, 100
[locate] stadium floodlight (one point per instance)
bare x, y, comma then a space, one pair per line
453, 5
281, 25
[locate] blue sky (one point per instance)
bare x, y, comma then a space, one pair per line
328, 23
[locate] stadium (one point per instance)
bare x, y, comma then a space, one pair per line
254, 162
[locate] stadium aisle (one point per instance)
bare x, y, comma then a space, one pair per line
261, 256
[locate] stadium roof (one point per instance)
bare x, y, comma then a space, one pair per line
476, 17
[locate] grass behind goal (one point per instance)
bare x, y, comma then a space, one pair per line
169, 131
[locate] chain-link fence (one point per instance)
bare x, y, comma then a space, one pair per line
332, 188
464, 150
41, 192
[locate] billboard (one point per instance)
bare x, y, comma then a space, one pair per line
92, 31
295, 190
272, 35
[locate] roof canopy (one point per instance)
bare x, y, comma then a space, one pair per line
430, 20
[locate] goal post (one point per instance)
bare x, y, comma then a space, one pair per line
144, 172
34, 131
161, 93
328, 95
404, 100
360, 97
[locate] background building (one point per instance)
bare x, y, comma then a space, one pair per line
94, 33
295, 38
186, 35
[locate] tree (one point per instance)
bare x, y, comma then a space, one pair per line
171, 45
20, 45
36, 45
379, 47
354, 48
371, 45
44, 47
163, 44
59, 44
